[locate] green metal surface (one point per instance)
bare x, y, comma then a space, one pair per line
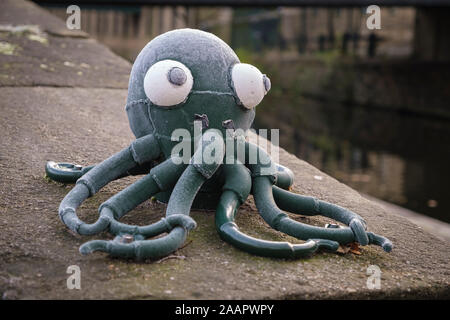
235, 192
199, 184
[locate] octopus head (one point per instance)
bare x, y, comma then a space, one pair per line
187, 75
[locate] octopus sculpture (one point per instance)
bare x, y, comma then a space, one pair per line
187, 87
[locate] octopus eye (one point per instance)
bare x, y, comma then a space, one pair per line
168, 83
249, 84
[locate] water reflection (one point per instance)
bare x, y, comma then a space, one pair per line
397, 156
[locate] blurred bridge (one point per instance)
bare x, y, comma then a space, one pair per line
425, 24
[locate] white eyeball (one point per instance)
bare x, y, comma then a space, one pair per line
168, 83
249, 84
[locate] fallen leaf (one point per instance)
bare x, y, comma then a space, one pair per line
350, 247
354, 248
343, 249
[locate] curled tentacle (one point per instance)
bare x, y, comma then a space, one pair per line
67, 212
139, 249
180, 203
140, 151
65, 172
94, 245
381, 241
265, 202
265, 173
295, 203
182, 197
236, 189
262, 192
285, 177
161, 178
163, 225
69, 173
277, 249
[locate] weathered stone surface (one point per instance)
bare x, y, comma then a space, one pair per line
15, 12
86, 125
34, 51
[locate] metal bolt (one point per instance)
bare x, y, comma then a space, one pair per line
127, 238
203, 118
228, 124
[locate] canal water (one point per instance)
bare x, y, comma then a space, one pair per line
398, 156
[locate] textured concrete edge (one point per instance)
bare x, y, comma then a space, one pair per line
30, 67
31, 13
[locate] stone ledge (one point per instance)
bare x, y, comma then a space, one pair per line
35, 51
86, 125
28, 13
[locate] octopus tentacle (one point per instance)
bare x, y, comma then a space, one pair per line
69, 173
265, 173
235, 191
262, 192
140, 151
285, 177
154, 229
180, 202
295, 203
161, 178
138, 248
381, 241
65, 172
181, 199
265, 202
